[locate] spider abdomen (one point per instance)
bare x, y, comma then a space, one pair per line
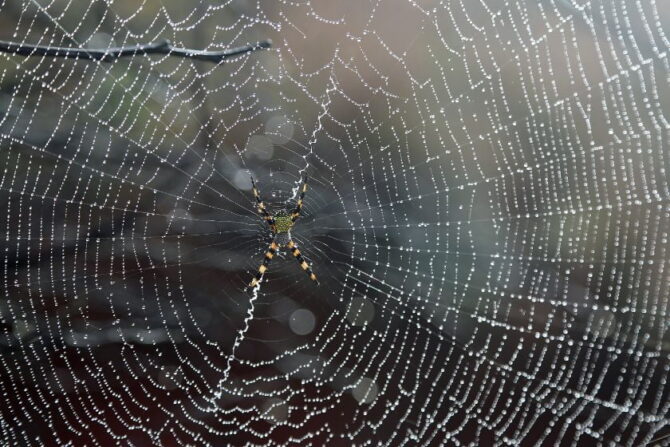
283, 224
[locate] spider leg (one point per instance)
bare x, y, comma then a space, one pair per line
298, 206
261, 207
303, 264
272, 250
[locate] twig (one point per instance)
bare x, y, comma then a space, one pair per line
109, 54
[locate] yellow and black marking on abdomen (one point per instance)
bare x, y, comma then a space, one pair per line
272, 251
303, 264
283, 223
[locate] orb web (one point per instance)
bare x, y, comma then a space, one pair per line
487, 214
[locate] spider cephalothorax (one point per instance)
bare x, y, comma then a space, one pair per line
281, 224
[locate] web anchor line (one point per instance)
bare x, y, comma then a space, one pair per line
106, 55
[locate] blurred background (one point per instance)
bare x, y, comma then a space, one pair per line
487, 214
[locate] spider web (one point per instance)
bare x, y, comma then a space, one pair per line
487, 215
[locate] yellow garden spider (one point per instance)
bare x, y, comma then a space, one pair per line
280, 225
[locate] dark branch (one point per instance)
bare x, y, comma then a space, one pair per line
109, 54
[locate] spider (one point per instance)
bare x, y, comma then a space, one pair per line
280, 225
